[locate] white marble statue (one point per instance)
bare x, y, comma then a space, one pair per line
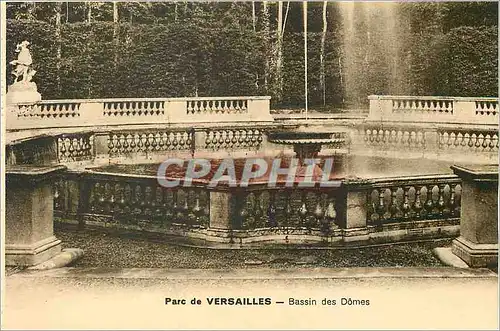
23, 71
23, 90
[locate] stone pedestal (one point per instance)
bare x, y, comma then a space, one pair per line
23, 92
29, 233
478, 241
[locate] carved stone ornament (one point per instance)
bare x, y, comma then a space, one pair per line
23, 90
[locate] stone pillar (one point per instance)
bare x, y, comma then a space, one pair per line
101, 147
220, 210
355, 227
200, 137
356, 209
478, 241
29, 233
431, 142
380, 108
259, 109
176, 111
464, 111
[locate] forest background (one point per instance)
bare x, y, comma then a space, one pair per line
178, 49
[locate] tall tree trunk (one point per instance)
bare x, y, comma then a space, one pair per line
341, 75
59, 46
279, 53
254, 17
115, 12
254, 25
265, 27
322, 53
89, 12
115, 30
282, 36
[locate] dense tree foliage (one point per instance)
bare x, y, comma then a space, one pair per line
156, 49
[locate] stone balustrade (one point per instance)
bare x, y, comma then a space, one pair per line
423, 197
448, 142
402, 207
378, 210
154, 144
108, 112
433, 109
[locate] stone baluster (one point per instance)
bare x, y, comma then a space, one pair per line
417, 205
429, 202
380, 209
120, 203
440, 202
288, 210
406, 204
394, 208
303, 211
168, 204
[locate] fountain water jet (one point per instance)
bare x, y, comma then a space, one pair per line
371, 44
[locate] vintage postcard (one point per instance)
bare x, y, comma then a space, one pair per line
249, 165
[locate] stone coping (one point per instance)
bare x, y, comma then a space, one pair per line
31, 173
22, 135
351, 183
355, 183
478, 173
59, 101
260, 273
429, 97
388, 124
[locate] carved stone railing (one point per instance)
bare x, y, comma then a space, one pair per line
150, 144
358, 210
468, 140
433, 109
286, 211
451, 142
75, 147
134, 108
148, 141
208, 106
129, 201
403, 207
49, 110
104, 112
396, 136
413, 198
233, 138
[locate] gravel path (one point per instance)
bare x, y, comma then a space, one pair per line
105, 250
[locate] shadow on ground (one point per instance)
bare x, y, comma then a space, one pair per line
114, 251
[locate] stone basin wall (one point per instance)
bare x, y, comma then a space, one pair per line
370, 211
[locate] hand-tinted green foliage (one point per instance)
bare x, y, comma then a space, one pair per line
471, 60
211, 49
